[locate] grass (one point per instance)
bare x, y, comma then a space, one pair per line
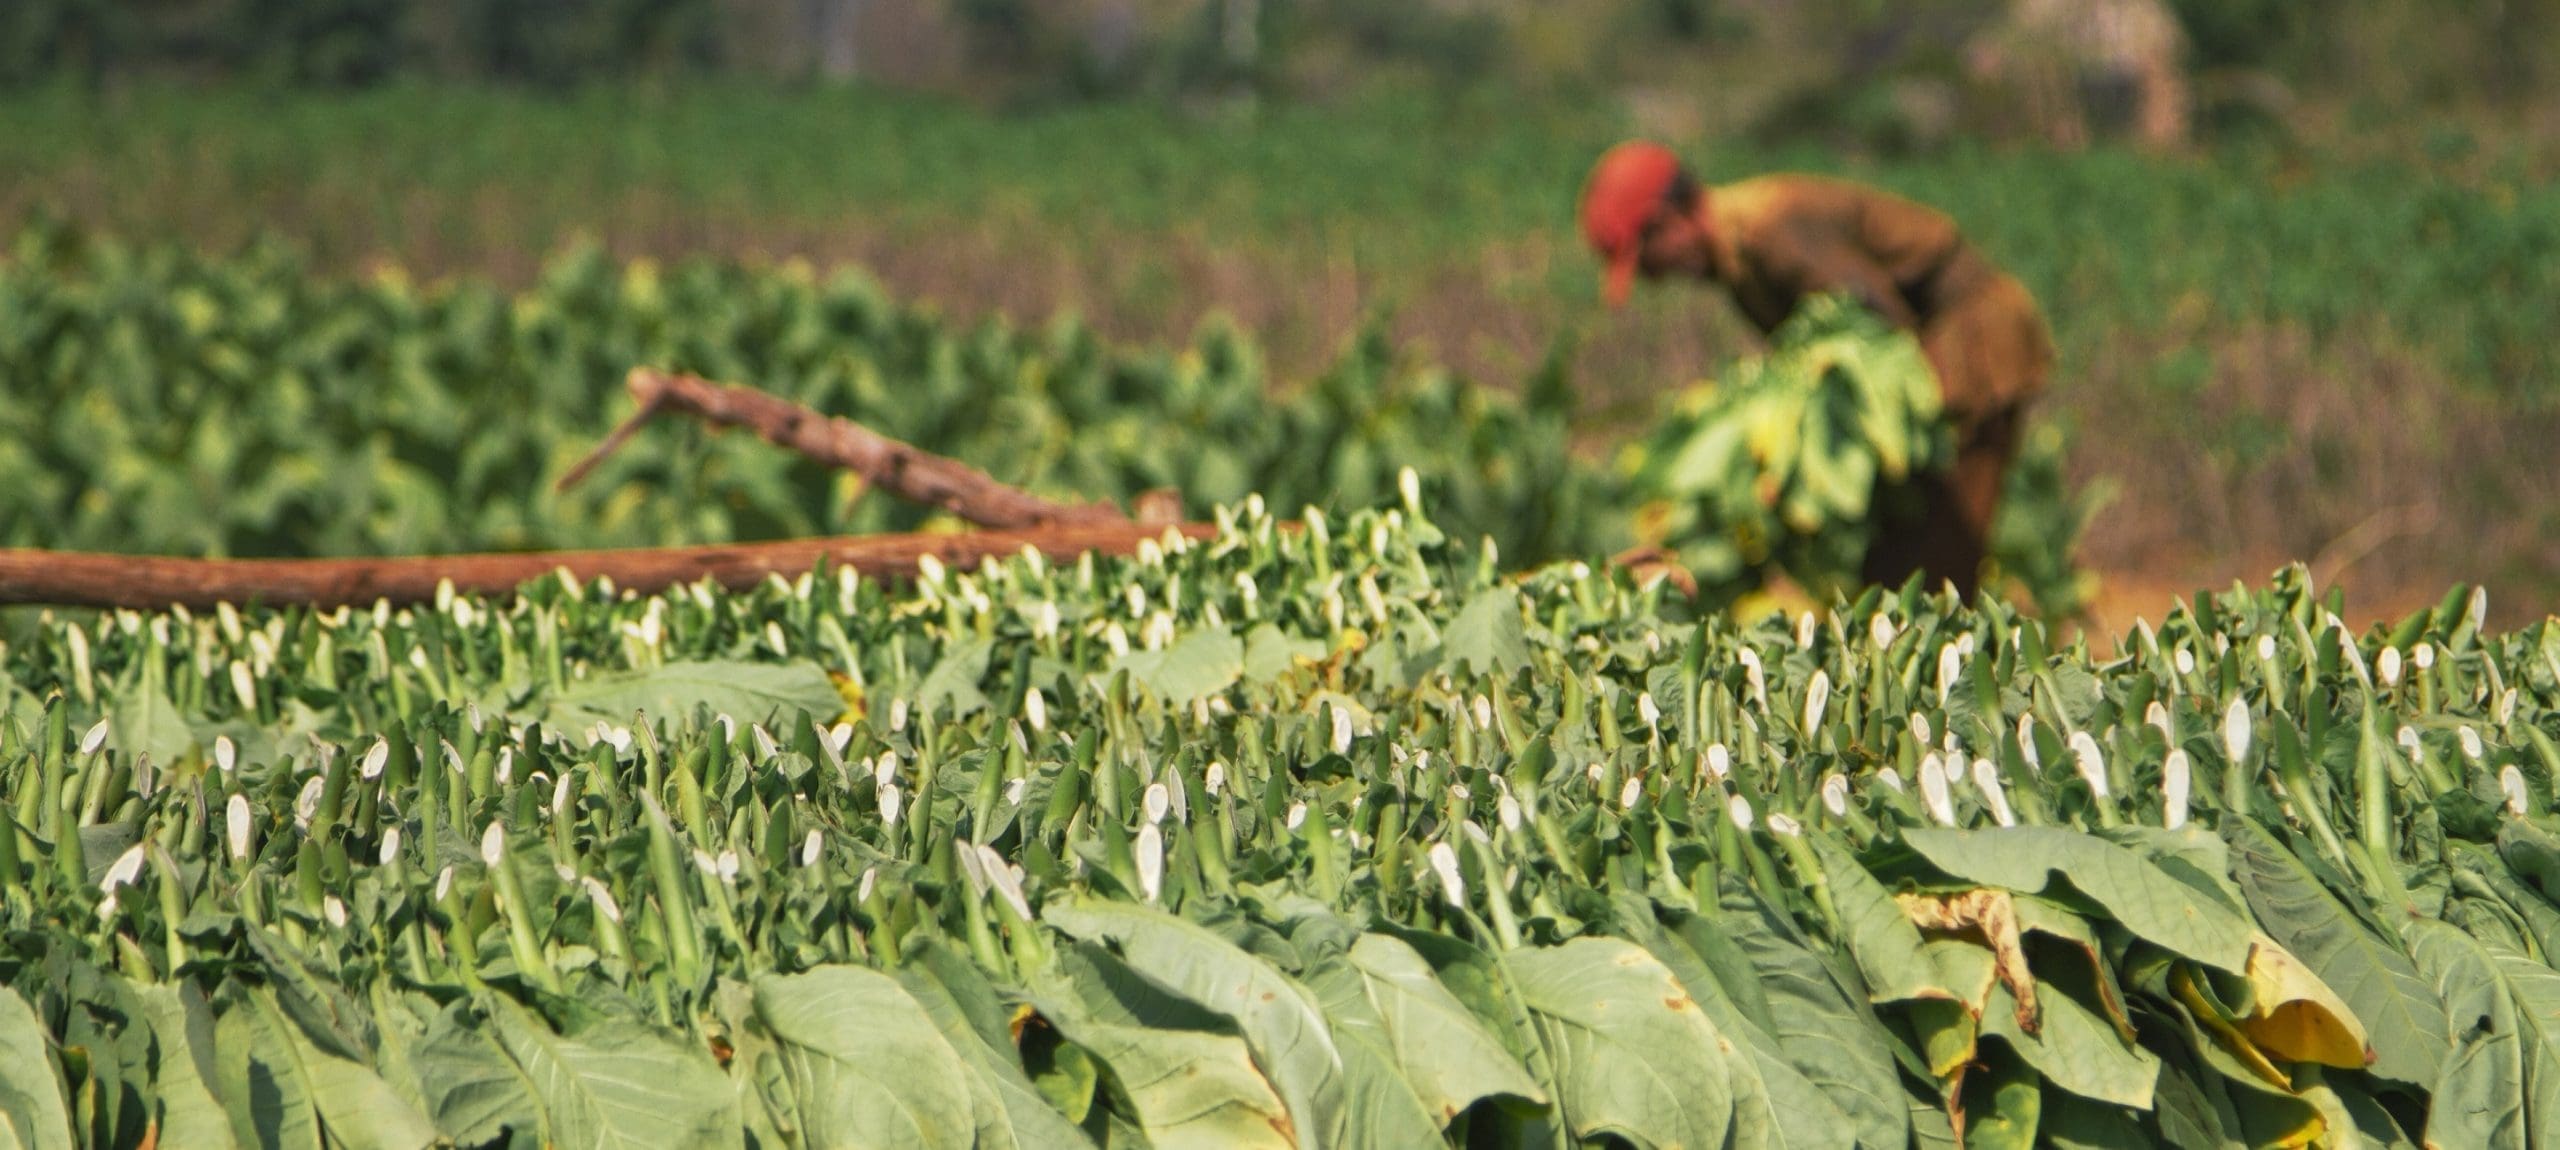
2276, 348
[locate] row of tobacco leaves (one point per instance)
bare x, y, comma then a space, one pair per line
167, 402
1317, 835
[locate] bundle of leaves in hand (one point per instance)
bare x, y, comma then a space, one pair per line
1776, 465
1779, 465
1319, 837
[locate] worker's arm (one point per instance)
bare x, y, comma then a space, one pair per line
1826, 264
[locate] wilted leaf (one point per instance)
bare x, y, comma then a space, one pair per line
2159, 909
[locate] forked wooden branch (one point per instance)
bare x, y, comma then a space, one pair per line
143, 582
1021, 520
900, 469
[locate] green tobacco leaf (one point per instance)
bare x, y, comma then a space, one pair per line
1775, 1101
1473, 977
2160, 909
2075, 1049
1380, 1107
2001, 1104
943, 983
285, 1090
1631, 1055
1190, 1090
1270, 652
2191, 1107
1826, 1031
472, 1090
1881, 937
1382, 997
2478, 1094
1195, 666
261, 1084
144, 722
1487, 636
2403, 1018
952, 686
31, 1094
2070, 1122
866, 1064
746, 692
182, 1028
2536, 989
1186, 1084
617, 1086
1277, 1017
2354, 1116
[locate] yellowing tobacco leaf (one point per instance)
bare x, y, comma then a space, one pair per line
2296, 1017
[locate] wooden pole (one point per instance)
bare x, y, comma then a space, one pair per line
85, 579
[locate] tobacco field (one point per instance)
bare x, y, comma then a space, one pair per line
1325, 833
167, 402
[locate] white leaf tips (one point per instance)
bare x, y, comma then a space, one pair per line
1150, 850
1444, 862
2176, 778
236, 821
1835, 794
2236, 732
126, 868
2091, 764
1933, 790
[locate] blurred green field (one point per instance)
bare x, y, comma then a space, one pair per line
2287, 356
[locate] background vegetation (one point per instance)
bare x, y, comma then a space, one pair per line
2314, 331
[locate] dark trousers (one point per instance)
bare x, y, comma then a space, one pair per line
1939, 524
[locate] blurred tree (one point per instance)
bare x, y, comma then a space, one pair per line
328, 43
2242, 33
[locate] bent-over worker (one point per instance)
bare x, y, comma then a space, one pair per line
1774, 240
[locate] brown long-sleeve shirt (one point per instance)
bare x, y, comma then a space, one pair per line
1782, 237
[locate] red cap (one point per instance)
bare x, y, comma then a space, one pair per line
1625, 190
